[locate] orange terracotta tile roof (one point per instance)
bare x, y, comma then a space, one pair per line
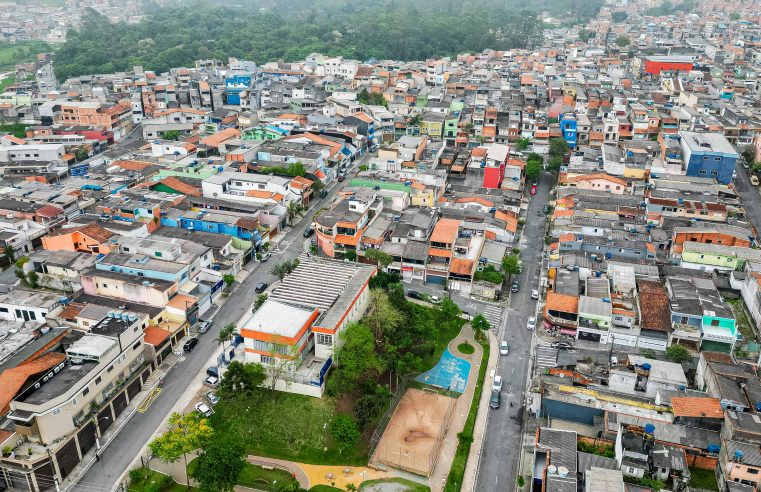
686, 406
445, 231
475, 199
132, 165
364, 117
91, 230
179, 185
13, 380
567, 238
219, 137
562, 303
606, 177
461, 266
510, 218
155, 336
301, 183
182, 302
479, 152
71, 311
439, 253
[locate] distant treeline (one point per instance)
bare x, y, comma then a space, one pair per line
261, 31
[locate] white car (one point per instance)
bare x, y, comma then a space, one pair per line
497, 384
531, 323
212, 397
212, 381
203, 409
435, 300
534, 294
503, 348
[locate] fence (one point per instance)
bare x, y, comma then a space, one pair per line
401, 388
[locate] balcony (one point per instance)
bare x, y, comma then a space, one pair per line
685, 332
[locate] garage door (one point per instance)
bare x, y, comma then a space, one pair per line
590, 337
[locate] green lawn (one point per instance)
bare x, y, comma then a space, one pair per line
12, 54
466, 348
286, 426
447, 333
411, 486
153, 477
741, 319
254, 476
324, 488
457, 471
703, 479
7, 82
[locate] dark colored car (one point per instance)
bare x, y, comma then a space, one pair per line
212, 371
261, 287
308, 232
413, 294
192, 342
515, 287
562, 345
323, 193
341, 178
495, 399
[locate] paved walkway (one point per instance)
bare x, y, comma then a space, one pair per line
474, 456
449, 445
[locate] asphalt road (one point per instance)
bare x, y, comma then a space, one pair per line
46, 78
127, 444
501, 448
751, 199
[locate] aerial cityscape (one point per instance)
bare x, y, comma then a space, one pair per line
380, 246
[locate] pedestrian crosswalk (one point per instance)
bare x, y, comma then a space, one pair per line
493, 314
546, 356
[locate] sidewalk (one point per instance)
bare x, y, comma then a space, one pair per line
479, 431
449, 446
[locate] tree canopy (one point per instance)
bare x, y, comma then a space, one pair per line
219, 465
176, 35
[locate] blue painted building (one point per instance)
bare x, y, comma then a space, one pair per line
144, 266
708, 155
568, 127
216, 221
234, 85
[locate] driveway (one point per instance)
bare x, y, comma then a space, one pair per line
501, 450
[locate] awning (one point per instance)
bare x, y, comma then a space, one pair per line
547, 324
568, 331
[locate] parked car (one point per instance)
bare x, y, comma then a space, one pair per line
341, 177
503, 348
212, 397
203, 325
534, 293
435, 299
189, 344
212, 381
531, 324
533, 189
308, 232
260, 287
497, 384
561, 345
754, 180
494, 400
515, 287
203, 409
212, 371
323, 193
265, 257
413, 294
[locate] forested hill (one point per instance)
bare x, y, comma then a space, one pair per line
265, 30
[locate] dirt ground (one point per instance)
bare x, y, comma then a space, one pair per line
413, 436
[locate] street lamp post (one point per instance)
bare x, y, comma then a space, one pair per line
97, 431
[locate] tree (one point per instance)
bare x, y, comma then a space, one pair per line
449, 309
185, 434
172, 135
558, 147
81, 153
241, 379
622, 41
379, 257
381, 314
351, 255
219, 465
282, 362
363, 97
356, 359
585, 35
292, 210
226, 333
31, 279
260, 299
281, 270
511, 265
8, 251
229, 280
480, 324
678, 354
344, 431
619, 17
533, 169
749, 154
296, 169
555, 163
522, 144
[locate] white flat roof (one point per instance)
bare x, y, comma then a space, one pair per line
90, 345
277, 318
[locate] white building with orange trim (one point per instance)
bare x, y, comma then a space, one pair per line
251, 188
303, 318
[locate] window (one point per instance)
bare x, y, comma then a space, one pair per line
56, 411
702, 172
714, 322
266, 359
126, 249
3, 310
85, 391
18, 314
751, 471
74, 401
97, 380
136, 346
324, 339
110, 368
158, 254
32, 315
